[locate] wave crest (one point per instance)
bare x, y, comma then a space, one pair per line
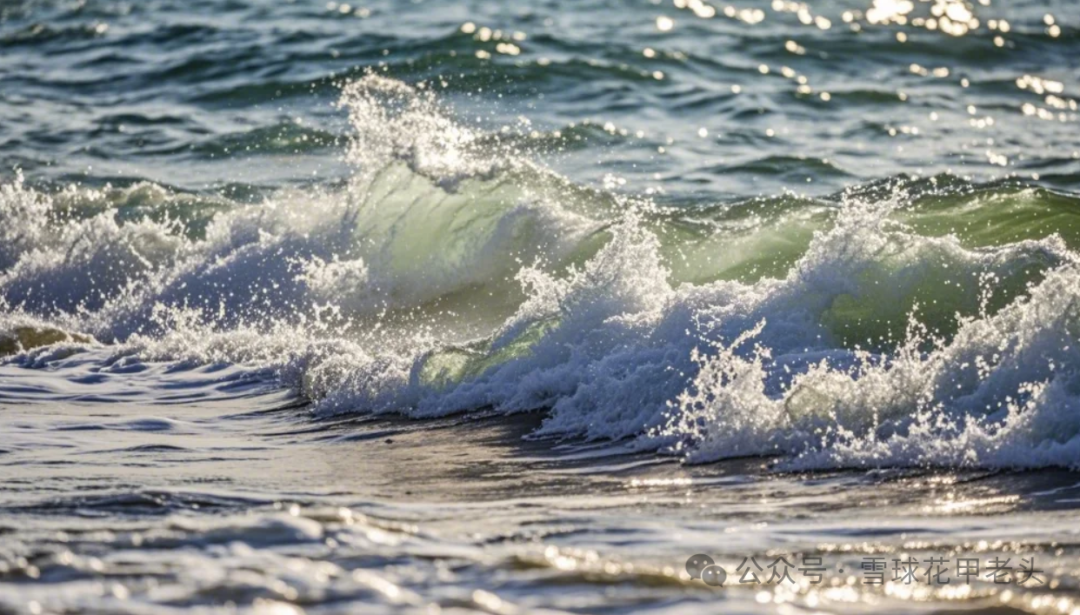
451, 273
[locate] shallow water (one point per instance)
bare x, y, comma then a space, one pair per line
239, 501
326, 307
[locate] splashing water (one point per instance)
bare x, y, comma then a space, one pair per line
451, 274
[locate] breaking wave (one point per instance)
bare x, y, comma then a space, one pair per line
913, 322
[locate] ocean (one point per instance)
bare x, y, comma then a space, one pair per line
607, 306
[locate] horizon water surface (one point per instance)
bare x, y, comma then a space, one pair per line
324, 307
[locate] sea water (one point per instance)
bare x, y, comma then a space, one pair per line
425, 306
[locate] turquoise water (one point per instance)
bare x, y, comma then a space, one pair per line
334, 307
